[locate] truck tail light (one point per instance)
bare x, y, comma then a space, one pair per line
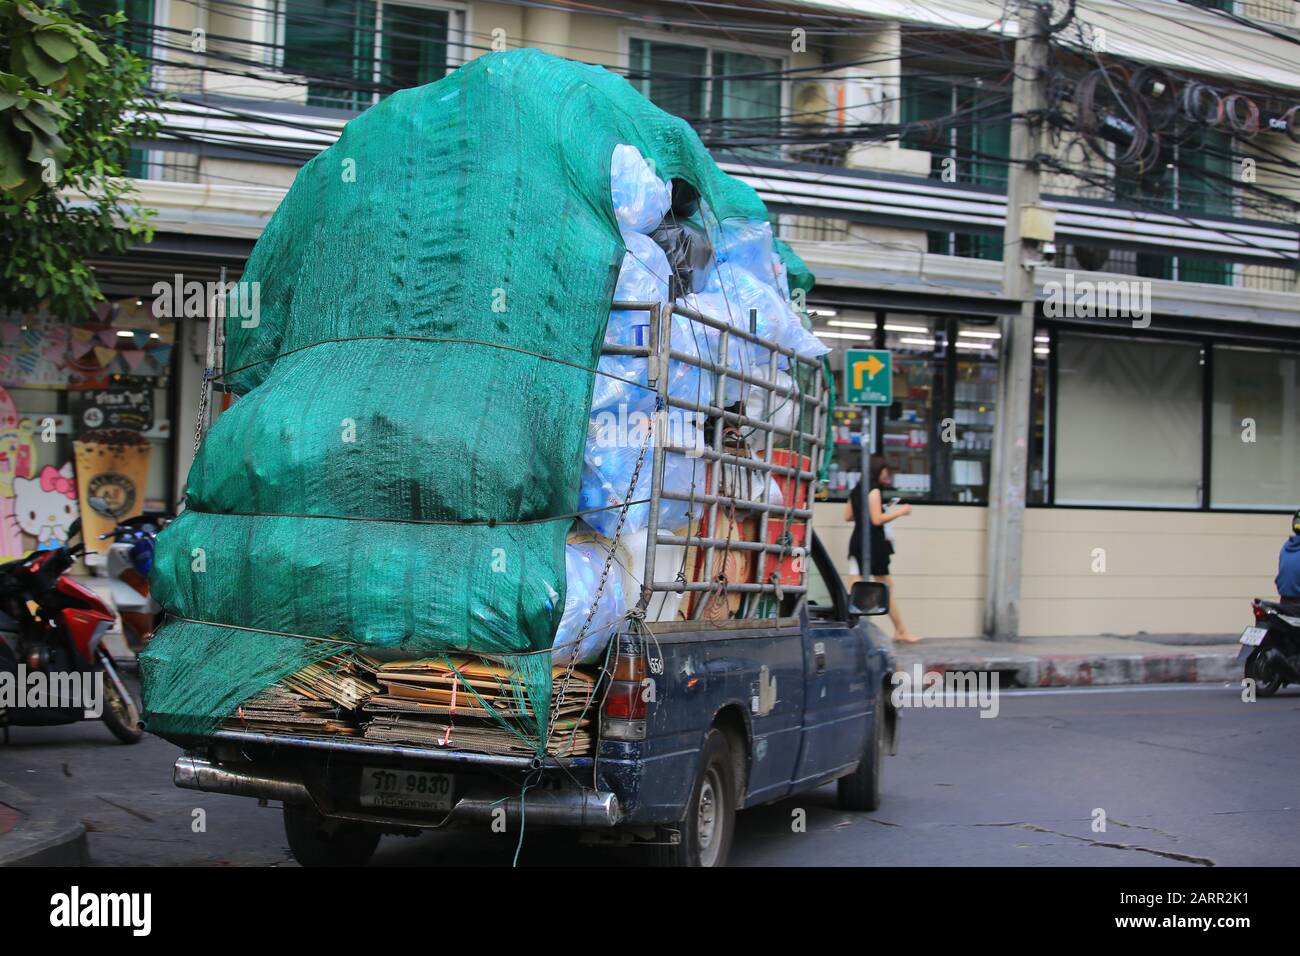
623, 715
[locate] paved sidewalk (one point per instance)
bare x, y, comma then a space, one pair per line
1091, 660
33, 834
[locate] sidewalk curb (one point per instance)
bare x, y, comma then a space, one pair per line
1090, 670
42, 836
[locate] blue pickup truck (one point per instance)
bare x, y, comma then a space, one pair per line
786, 689
743, 713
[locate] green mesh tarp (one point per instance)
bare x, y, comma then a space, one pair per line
402, 467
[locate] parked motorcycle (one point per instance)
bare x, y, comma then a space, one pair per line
52, 636
1271, 647
130, 559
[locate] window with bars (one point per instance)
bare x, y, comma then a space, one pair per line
1192, 174
973, 147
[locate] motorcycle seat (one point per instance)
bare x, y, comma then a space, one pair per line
1289, 608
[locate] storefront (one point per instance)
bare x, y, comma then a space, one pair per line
1162, 463
938, 432
1183, 415
84, 403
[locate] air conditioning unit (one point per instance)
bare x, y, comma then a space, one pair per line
844, 99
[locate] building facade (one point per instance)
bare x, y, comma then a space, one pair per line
1163, 447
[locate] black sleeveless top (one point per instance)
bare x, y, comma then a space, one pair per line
879, 543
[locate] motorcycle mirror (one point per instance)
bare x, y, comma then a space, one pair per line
75, 527
100, 505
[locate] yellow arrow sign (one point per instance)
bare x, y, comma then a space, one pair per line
871, 366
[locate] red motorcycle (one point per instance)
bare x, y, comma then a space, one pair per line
52, 652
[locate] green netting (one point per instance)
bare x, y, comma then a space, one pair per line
401, 468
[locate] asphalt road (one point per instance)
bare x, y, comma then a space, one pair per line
1187, 775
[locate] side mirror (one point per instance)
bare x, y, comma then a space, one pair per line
868, 599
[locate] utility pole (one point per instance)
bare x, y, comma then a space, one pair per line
1028, 225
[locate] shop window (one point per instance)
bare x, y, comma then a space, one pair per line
1128, 422
938, 433
62, 386
909, 426
1040, 422
1254, 429
966, 459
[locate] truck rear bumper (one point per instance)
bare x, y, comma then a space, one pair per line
565, 807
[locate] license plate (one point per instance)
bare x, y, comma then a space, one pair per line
1253, 635
406, 789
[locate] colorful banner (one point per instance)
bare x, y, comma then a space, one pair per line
43, 353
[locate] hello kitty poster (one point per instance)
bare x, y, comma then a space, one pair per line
46, 505
17, 457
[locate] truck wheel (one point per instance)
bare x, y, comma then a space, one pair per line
860, 790
317, 842
711, 812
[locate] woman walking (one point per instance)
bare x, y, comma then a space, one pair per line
879, 477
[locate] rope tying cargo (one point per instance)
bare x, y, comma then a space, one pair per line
432, 339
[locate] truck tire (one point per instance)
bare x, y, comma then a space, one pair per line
316, 843
710, 819
860, 790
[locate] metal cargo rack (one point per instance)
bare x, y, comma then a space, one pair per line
811, 409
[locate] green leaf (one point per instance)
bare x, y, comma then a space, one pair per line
44, 70
28, 188
77, 72
36, 115
32, 15
13, 170
55, 45
45, 146
89, 47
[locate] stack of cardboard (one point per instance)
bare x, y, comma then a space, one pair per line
460, 703
278, 710
347, 680
320, 700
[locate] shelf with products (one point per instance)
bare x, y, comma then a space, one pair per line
937, 434
974, 409
908, 424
